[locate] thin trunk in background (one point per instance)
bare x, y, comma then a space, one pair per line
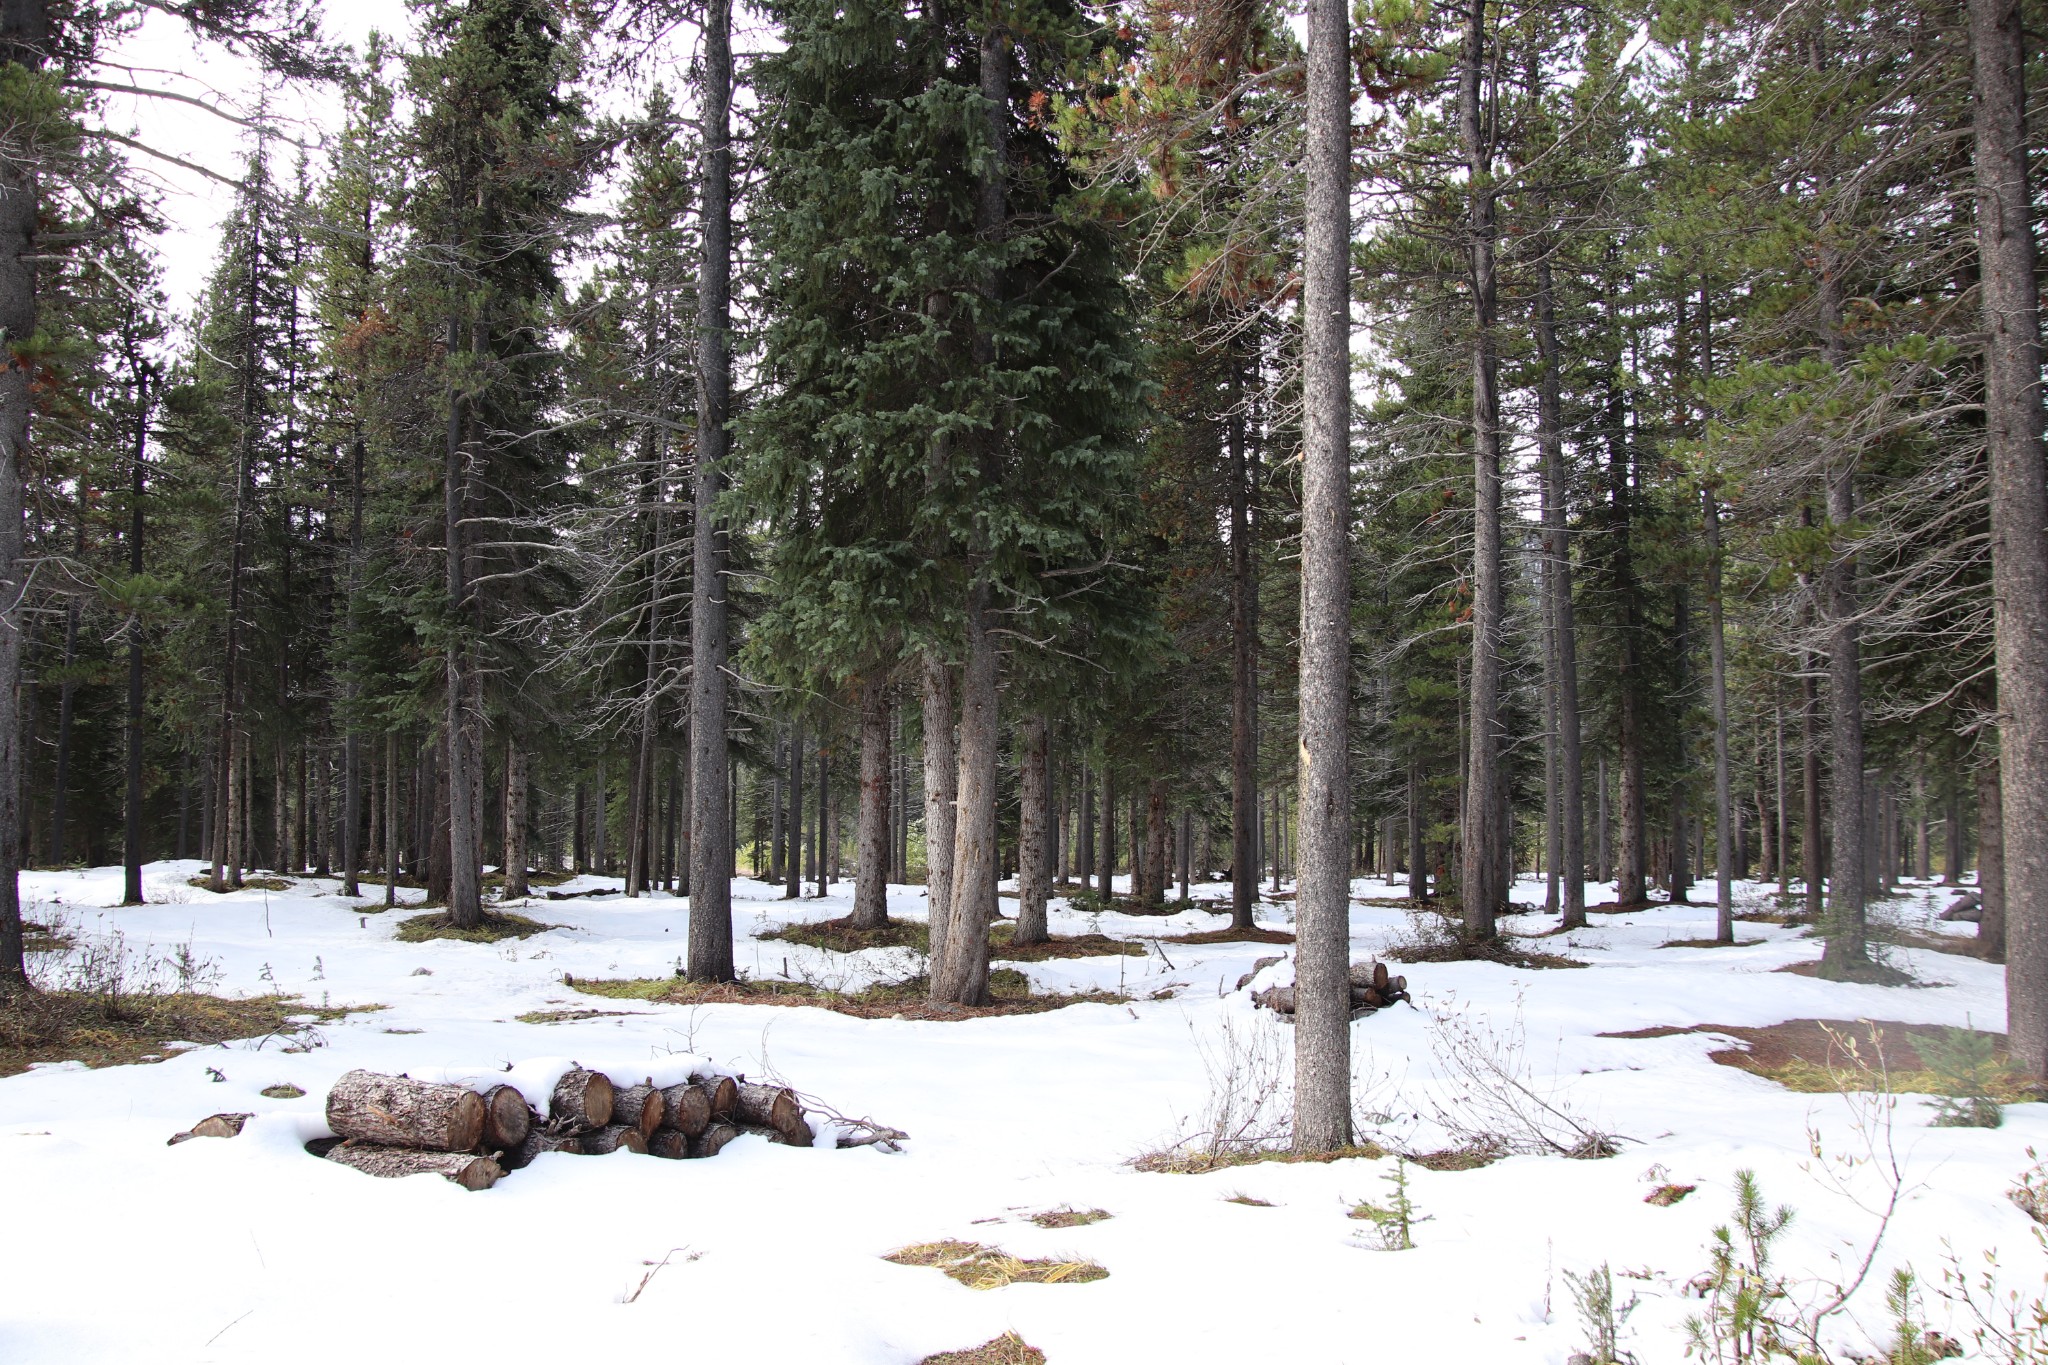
1571, 767
1991, 884
940, 774
1244, 671
1034, 843
465, 903
871, 856
131, 852
1724, 811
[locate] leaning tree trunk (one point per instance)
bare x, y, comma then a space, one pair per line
711, 851
1481, 889
1034, 811
2019, 507
1322, 1020
871, 862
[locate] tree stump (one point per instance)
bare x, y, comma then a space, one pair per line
642, 1106
582, 1099
713, 1139
466, 1169
539, 1140
397, 1111
614, 1137
722, 1092
772, 1107
507, 1120
686, 1108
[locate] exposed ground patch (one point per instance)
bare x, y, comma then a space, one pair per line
1010, 993
495, 927
1810, 1055
986, 1267
91, 1027
1007, 1349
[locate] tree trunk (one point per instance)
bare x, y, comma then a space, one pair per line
1571, 852
1992, 926
793, 884
711, 832
1155, 842
1846, 951
1244, 674
1107, 853
940, 807
1084, 818
960, 975
516, 788
1724, 808
1482, 894
1034, 806
871, 861
1322, 1029
2019, 507
131, 851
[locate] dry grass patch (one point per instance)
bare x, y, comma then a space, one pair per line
1174, 1161
1710, 943
255, 883
1807, 1056
1070, 1218
840, 936
986, 1267
566, 1016
1007, 1349
1457, 1158
1499, 950
102, 1030
284, 1091
1865, 974
1010, 993
1252, 935
495, 927
1249, 1201
1058, 946
1664, 1196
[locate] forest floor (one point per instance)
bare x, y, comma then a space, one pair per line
122, 1248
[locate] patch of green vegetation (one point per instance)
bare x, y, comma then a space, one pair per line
496, 926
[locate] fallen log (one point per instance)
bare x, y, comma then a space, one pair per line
213, 1125
686, 1108
466, 1169
537, 1142
722, 1092
671, 1143
397, 1111
582, 1099
1967, 908
614, 1137
507, 1120
713, 1139
642, 1106
774, 1108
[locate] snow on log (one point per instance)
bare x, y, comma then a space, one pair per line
539, 1140
774, 1108
671, 1143
713, 1139
722, 1092
614, 1137
507, 1120
466, 1169
397, 1111
582, 1098
642, 1106
686, 1109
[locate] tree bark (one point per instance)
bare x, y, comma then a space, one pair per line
940, 807
465, 1169
1322, 1037
1155, 842
1034, 807
639, 1106
516, 787
960, 976
686, 1108
1847, 950
711, 833
1481, 891
1571, 768
1991, 882
793, 884
465, 904
131, 851
2019, 507
581, 1099
400, 1112
1244, 673
871, 861
1724, 808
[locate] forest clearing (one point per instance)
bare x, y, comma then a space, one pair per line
249, 1248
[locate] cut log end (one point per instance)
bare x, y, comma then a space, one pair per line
614, 1137
582, 1098
722, 1091
774, 1108
686, 1108
670, 1143
507, 1120
538, 1142
714, 1139
642, 1106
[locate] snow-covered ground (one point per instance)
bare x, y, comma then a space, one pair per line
122, 1249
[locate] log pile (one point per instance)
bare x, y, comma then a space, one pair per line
1372, 989
396, 1126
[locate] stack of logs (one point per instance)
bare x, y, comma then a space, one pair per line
1371, 989
394, 1125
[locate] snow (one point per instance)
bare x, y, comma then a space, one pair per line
249, 1249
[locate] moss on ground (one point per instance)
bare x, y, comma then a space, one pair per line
496, 926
